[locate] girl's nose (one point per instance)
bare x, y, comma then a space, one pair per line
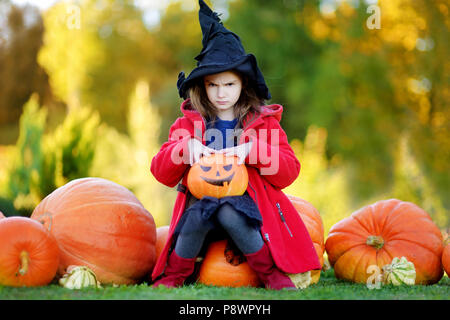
220, 92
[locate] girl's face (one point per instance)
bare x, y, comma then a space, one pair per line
223, 90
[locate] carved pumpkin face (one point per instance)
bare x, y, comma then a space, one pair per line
217, 176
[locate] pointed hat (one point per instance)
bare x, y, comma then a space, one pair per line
222, 51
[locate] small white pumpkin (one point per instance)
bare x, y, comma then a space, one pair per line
78, 277
400, 271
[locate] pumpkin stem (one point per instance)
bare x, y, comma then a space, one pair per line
375, 241
24, 260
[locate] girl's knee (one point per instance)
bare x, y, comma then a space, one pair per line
230, 219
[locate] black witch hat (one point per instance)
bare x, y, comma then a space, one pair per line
222, 51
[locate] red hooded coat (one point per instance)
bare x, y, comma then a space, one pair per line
283, 230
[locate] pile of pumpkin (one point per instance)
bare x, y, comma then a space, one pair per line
92, 231
89, 224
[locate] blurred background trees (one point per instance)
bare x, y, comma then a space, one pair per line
366, 109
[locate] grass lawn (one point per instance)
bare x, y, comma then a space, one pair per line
328, 288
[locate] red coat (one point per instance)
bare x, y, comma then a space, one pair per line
285, 233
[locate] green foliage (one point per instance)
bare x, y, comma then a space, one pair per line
325, 184
69, 150
95, 52
41, 162
24, 178
321, 182
412, 184
365, 87
20, 74
125, 158
366, 109
81, 146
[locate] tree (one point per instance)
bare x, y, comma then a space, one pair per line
94, 52
20, 75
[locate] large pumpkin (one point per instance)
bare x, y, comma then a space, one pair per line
224, 267
161, 238
313, 223
101, 225
375, 234
217, 176
29, 254
446, 257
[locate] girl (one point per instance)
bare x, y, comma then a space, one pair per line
225, 94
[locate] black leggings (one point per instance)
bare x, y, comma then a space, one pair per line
246, 237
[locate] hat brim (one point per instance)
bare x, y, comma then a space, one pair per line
241, 65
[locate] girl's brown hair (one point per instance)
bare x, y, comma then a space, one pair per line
248, 101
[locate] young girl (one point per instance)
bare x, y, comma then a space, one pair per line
225, 95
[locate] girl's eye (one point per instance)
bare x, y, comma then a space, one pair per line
211, 85
230, 84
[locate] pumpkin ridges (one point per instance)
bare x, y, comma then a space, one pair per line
350, 226
384, 255
345, 266
345, 236
418, 243
409, 224
364, 262
118, 235
410, 214
83, 247
27, 246
382, 217
333, 258
367, 229
405, 221
428, 272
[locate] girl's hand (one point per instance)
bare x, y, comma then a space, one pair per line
241, 151
197, 150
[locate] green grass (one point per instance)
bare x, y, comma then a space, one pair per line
328, 288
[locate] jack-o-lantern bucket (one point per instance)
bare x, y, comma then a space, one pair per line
217, 176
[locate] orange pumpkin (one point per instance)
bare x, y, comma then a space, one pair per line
446, 257
217, 176
161, 237
29, 254
101, 225
223, 268
313, 223
375, 234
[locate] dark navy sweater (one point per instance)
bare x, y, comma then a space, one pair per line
213, 136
